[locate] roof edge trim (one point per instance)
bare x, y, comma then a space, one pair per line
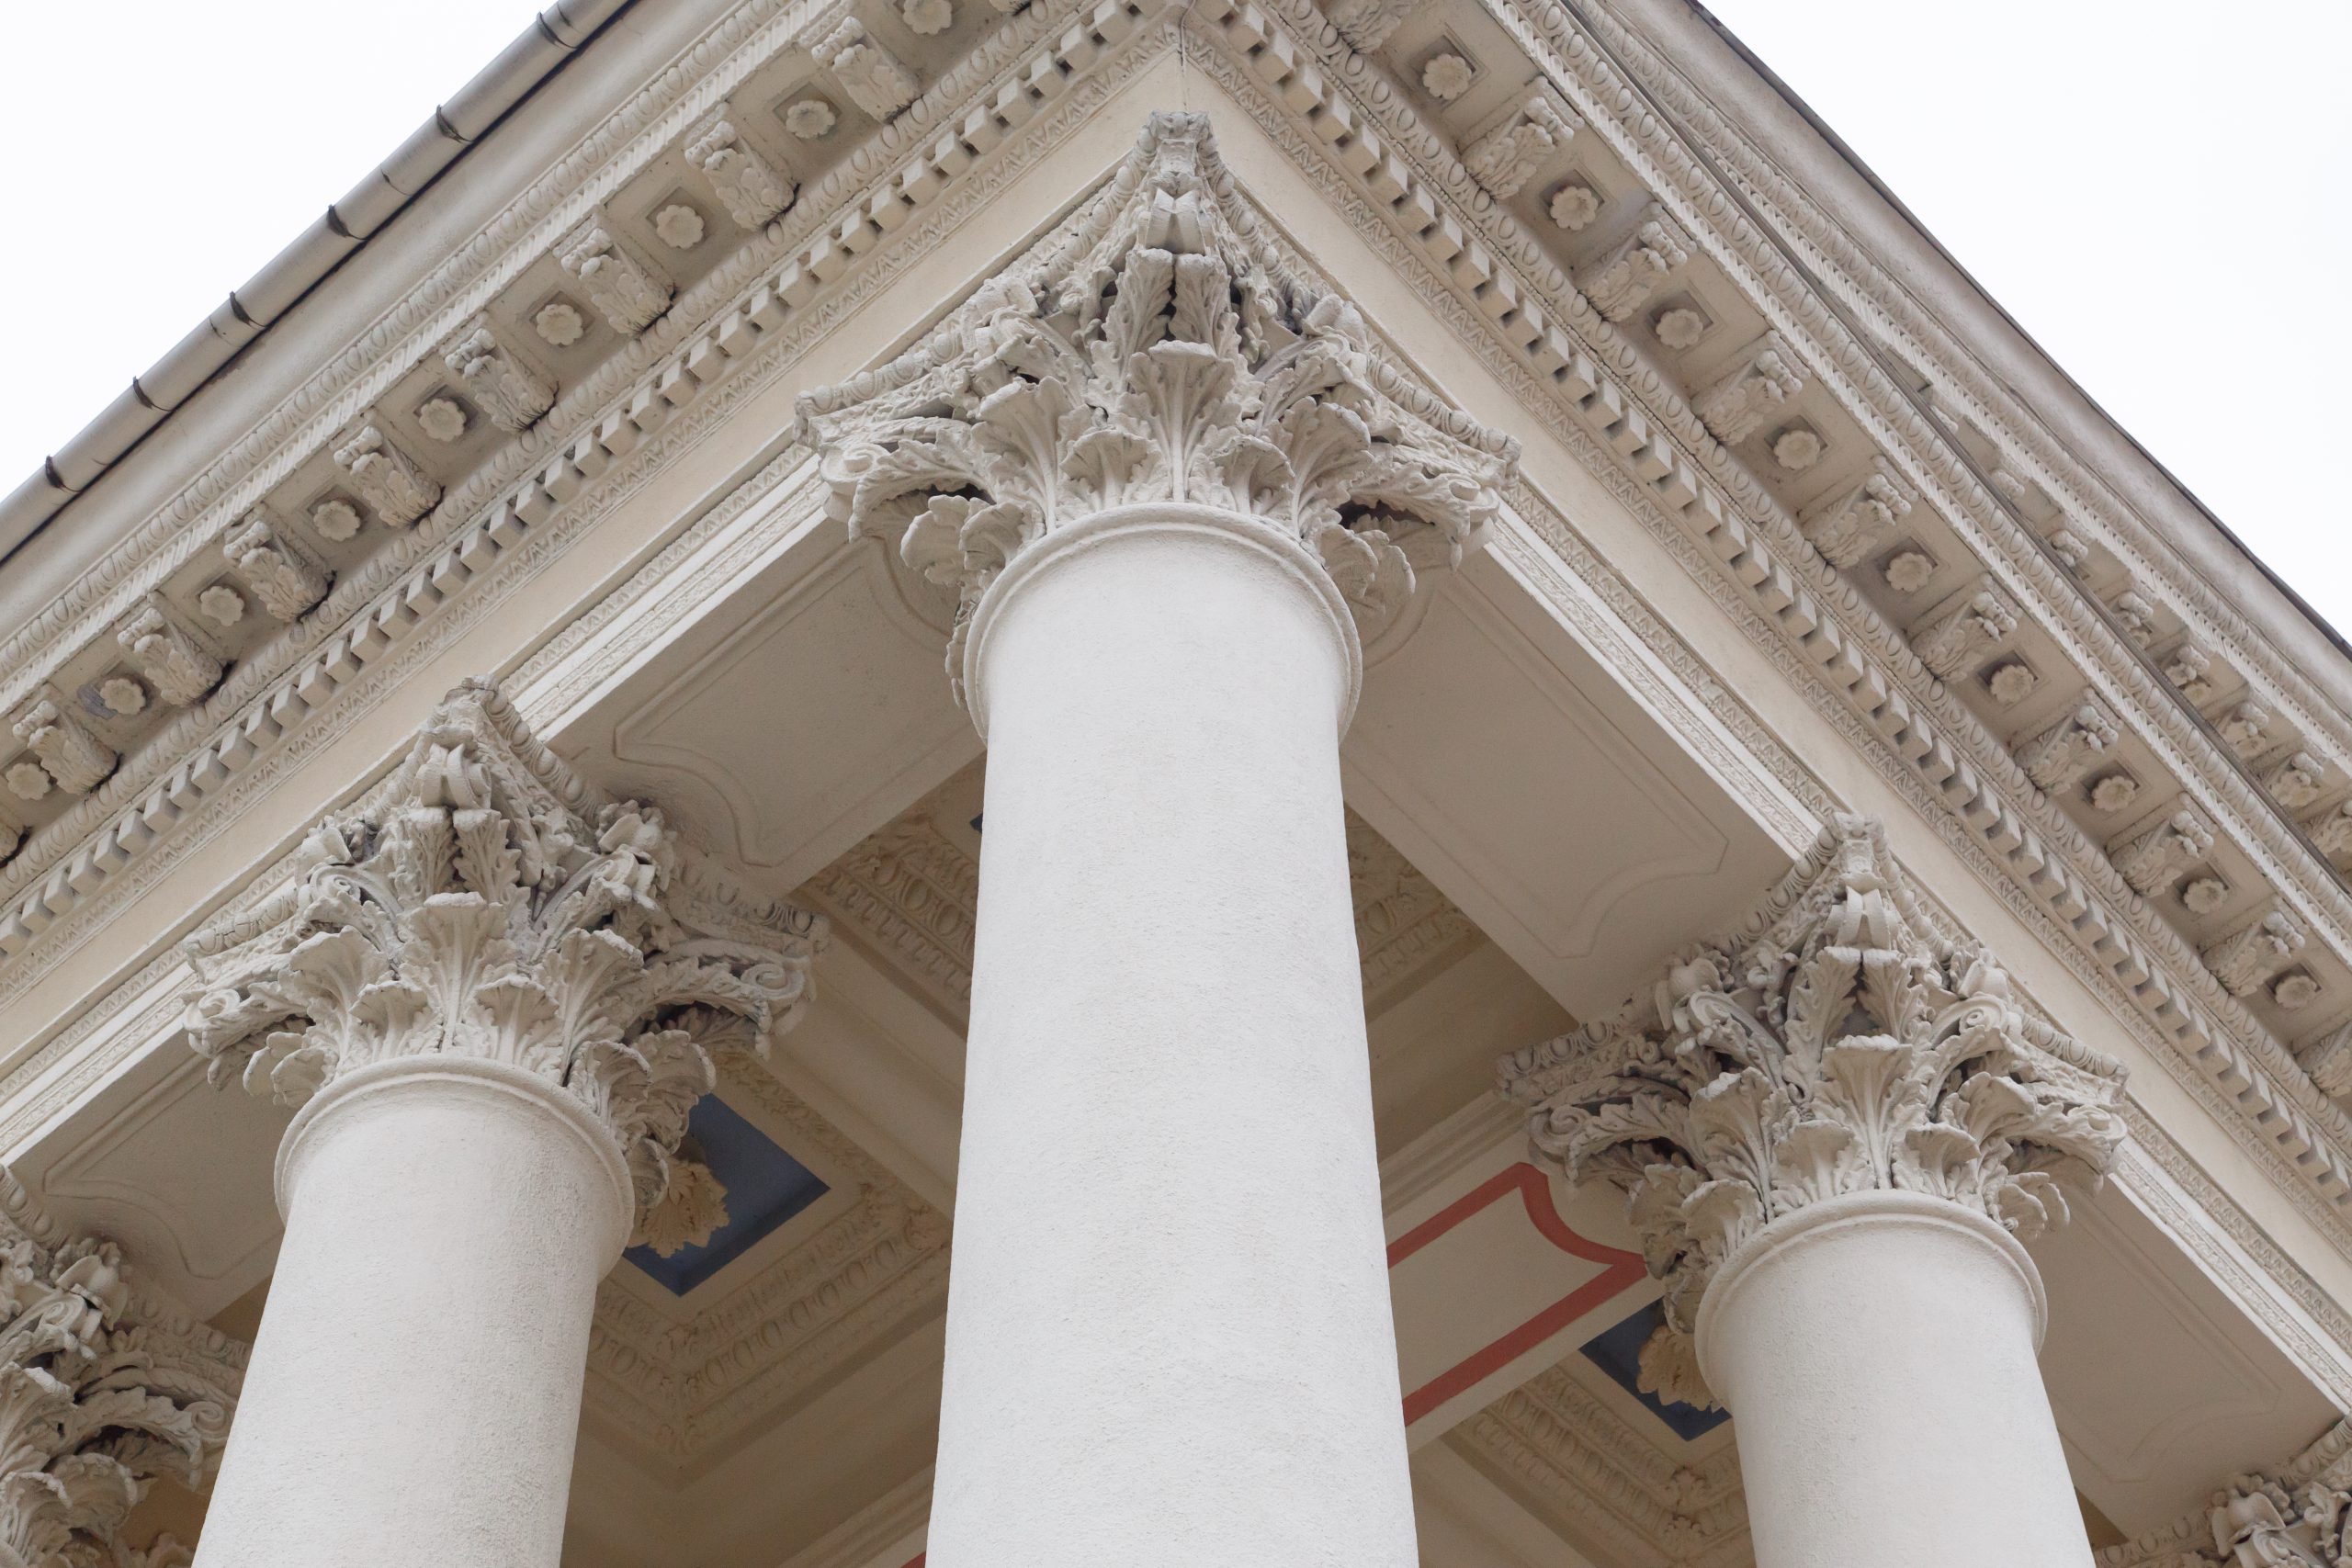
538, 53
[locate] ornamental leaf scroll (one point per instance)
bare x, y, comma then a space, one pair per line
1839, 1046
491, 906
1158, 351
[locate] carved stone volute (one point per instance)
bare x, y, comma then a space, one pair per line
1837, 1044
1159, 351
489, 905
103, 1388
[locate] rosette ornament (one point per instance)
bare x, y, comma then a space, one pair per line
1839, 1046
1160, 350
103, 1390
488, 905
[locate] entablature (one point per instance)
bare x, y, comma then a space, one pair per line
1870, 550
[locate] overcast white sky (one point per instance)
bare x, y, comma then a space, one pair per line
2167, 207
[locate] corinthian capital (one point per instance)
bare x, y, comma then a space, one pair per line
103, 1388
1839, 1045
489, 905
1159, 351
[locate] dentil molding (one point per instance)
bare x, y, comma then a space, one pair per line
1854, 672
1360, 117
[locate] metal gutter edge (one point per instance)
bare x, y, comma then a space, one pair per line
1837, 144
537, 54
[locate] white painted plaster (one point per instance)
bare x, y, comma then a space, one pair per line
1876, 1351
1169, 1338
414, 1391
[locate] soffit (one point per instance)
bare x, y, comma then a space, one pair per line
931, 1177
1800, 603
2038, 795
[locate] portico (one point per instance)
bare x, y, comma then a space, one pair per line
1213, 788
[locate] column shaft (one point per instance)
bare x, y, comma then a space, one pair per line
415, 1393
1877, 1353
1169, 1335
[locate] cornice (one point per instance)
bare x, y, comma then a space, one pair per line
2307, 1494
1346, 123
2064, 599
273, 717
1881, 694
1932, 463
564, 666
1994, 403
2270, 1286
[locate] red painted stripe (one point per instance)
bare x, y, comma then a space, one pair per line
1621, 1269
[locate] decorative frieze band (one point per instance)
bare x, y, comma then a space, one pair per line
2224, 1052
81, 857
68, 868
1606, 1484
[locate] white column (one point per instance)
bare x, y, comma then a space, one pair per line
417, 1377
493, 998
1169, 1334
1169, 484
1833, 1134
1877, 1352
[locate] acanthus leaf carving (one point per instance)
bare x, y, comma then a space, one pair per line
2152, 858
624, 286
1366, 23
2297, 780
693, 1208
75, 757
1836, 1046
1966, 632
2255, 951
875, 80
1755, 389
511, 389
393, 484
1621, 278
2330, 829
1157, 350
1851, 522
1509, 152
2137, 615
491, 906
2246, 728
181, 669
2296, 1514
751, 189
104, 1389
2329, 1061
266, 561
2190, 670
2062, 754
